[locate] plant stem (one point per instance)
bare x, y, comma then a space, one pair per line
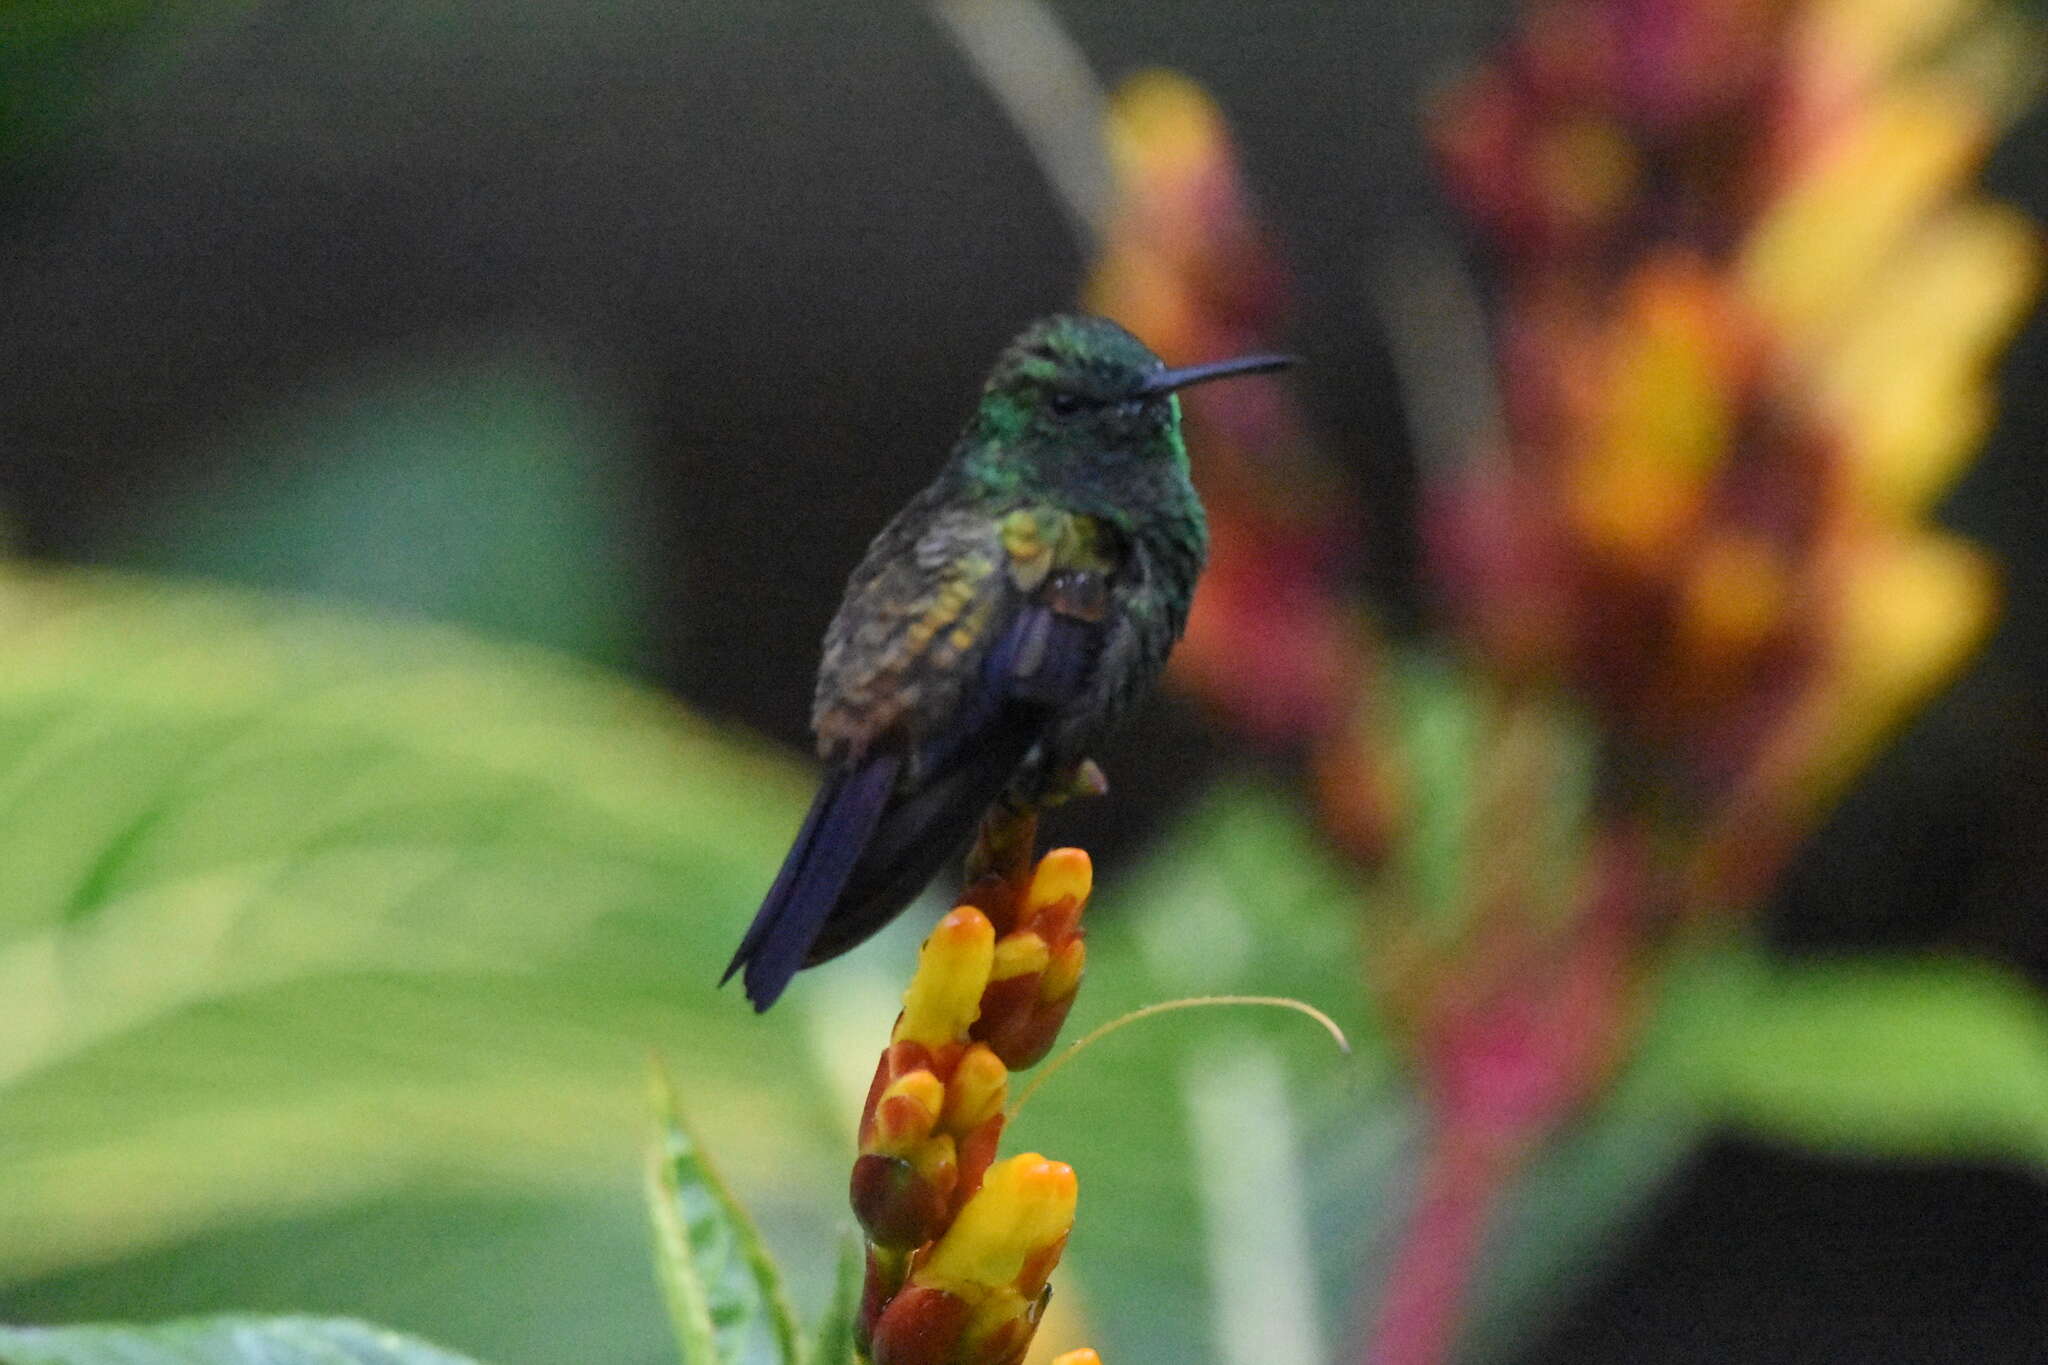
1463, 1178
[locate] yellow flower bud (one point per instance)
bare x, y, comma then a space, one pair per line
944, 998
1905, 379
1911, 612
1063, 974
1024, 1208
1842, 216
1164, 128
907, 1112
1062, 872
979, 1087
937, 1160
1661, 426
1018, 954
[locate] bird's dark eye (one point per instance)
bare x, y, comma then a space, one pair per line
1064, 404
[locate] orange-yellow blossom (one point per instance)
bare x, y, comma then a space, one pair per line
976, 1297
1904, 379
934, 1111
952, 970
960, 1246
1036, 967
1842, 215
1179, 204
1023, 1210
1656, 426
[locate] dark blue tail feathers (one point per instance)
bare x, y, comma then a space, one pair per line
865, 850
921, 833
841, 821
1040, 663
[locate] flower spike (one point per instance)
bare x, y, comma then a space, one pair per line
960, 1246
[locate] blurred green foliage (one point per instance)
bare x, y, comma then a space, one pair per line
1900, 1058
220, 1341
331, 948
48, 50
297, 911
477, 484
724, 1287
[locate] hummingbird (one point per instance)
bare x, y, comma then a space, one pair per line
995, 631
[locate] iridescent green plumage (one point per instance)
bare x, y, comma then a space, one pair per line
994, 631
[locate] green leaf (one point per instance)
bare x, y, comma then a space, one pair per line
432, 1257
300, 912
221, 1341
724, 1292
833, 1343
1928, 1057
1441, 728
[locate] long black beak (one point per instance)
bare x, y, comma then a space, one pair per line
1166, 381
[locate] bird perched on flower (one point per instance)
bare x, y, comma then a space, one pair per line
994, 632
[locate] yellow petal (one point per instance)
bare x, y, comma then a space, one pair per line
1163, 126
1848, 45
952, 971
980, 1085
1841, 216
1904, 381
1909, 619
1018, 954
936, 1159
906, 1112
1063, 974
1911, 612
1024, 1205
1664, 416
1061, 873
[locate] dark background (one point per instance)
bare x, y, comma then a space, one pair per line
768, 250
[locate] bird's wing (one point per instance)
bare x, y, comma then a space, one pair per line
1040, 662
922, 612
959, 656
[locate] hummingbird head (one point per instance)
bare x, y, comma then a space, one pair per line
1080, 402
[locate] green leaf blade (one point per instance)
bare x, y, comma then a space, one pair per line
724, 1291
221, 1341
305, 916
833, 1344
1896, 1058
